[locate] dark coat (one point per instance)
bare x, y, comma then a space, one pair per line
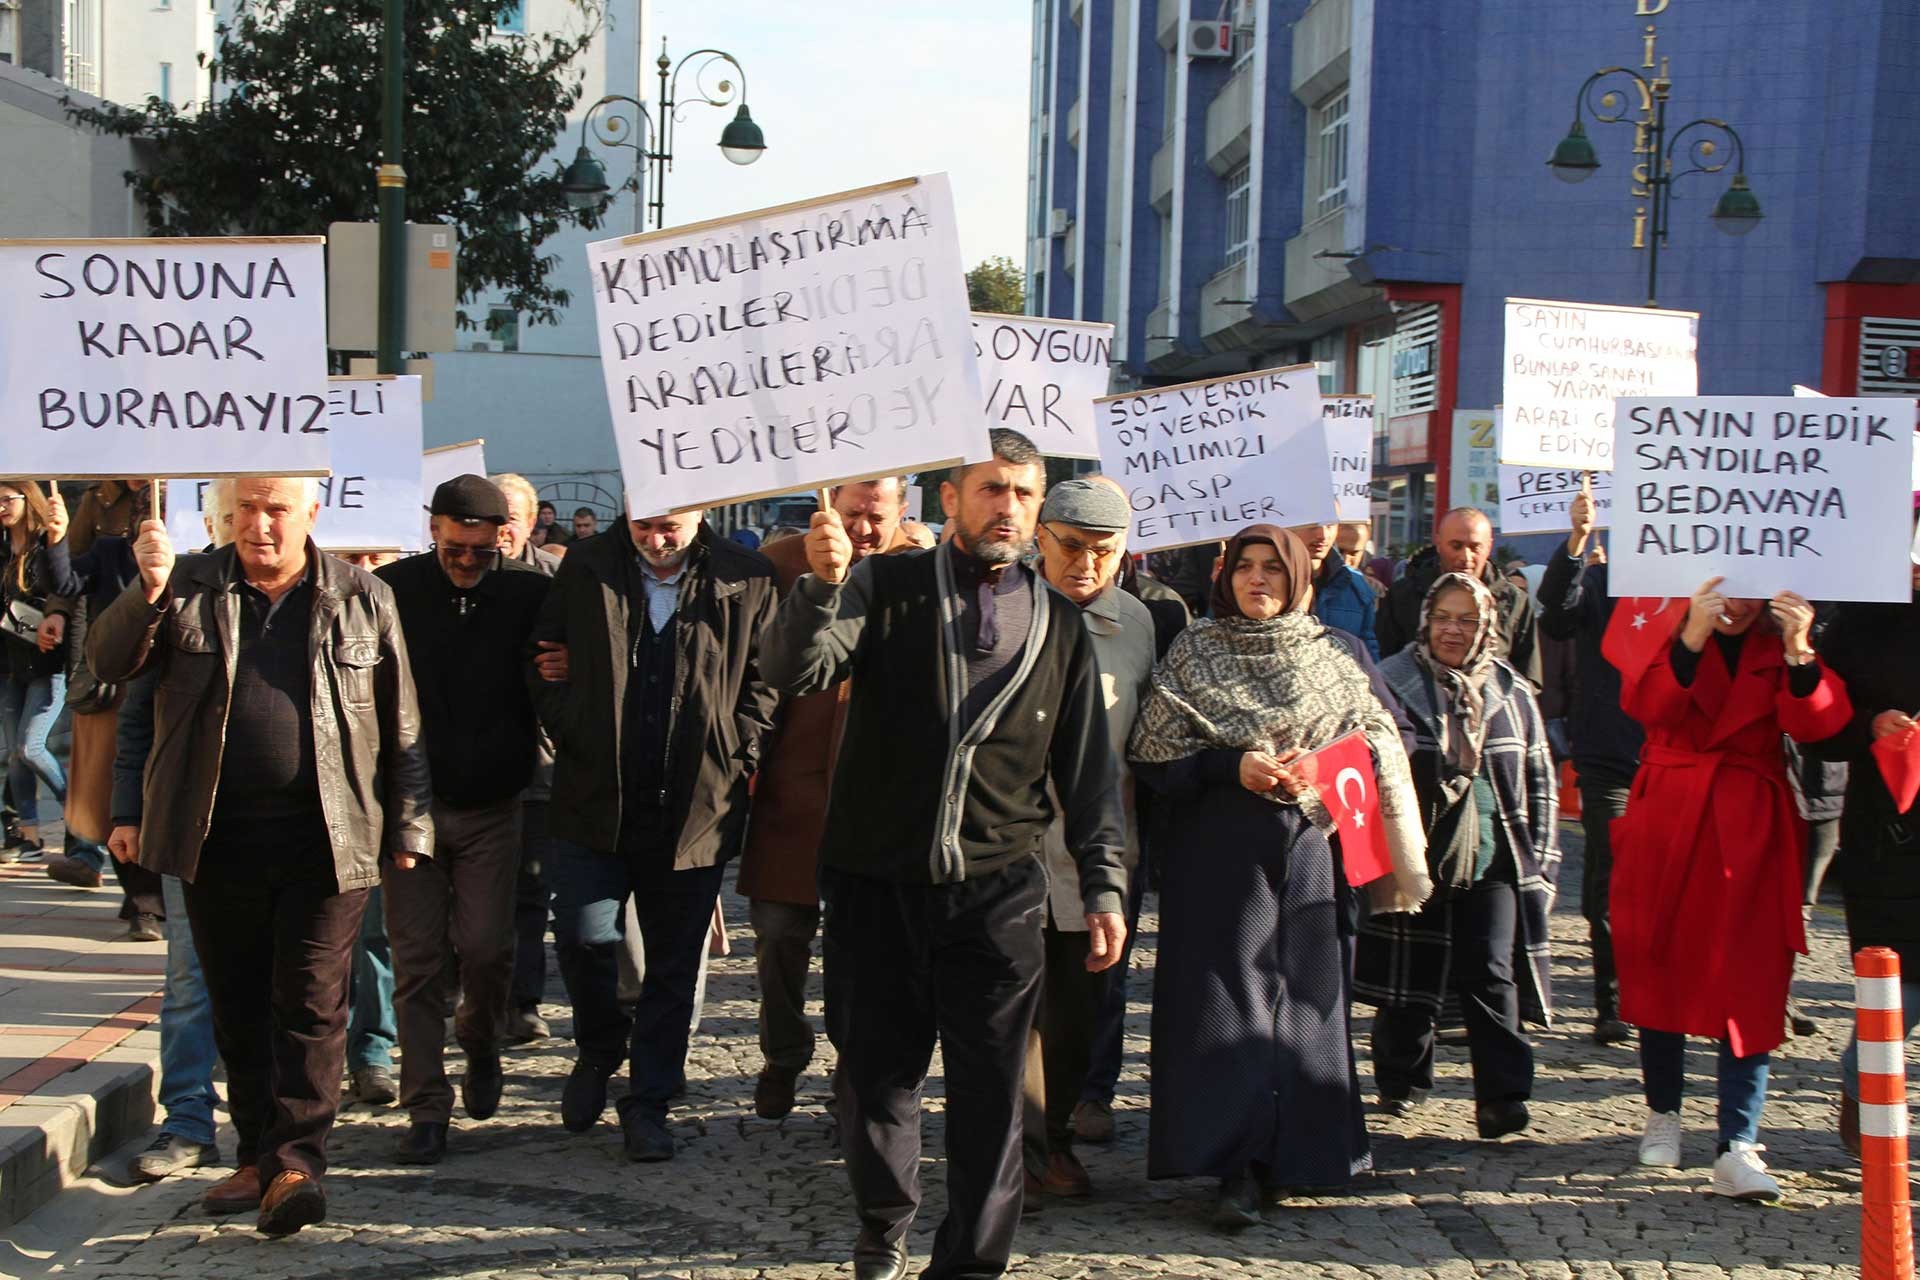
722, 708
1575, 606
1164, 605
1875, 649
1399, 618
374, 789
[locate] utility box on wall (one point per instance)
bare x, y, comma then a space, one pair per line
353, 286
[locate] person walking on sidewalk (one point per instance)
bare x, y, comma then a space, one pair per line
468, 614
933, 886
287, 762
650, 689
780, 868
34, 566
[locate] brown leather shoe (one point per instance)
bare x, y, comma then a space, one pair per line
1093, 1122
293, 1200
1066, 1176
237, 1193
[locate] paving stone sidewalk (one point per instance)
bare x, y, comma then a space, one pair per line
519, 1197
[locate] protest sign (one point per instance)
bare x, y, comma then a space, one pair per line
792, 348
1349, 421
1771, 493
1041, 376
163, 357
368, 502
442, 463
1566, 363
1203, 460
1537, 499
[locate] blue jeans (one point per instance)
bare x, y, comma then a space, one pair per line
371, 1029
28, 710
675, 908
1850, 1056
187, 1054
1743, 1083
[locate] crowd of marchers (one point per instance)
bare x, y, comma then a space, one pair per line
353, 792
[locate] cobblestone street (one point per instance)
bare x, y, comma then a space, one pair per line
519, 1197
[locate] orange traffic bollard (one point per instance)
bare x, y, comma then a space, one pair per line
1886, 1215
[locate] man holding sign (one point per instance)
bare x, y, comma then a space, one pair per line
284, 713
934, 896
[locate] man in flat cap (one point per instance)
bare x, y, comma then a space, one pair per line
468, 614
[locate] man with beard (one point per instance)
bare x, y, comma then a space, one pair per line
933, 886
650, 690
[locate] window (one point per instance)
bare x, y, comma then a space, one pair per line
503, 327
1239, 183
1243, 33
166, 82
512, 18
1166, 260
1169, 110
1329, 357
1330, 121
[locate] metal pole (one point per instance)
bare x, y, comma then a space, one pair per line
1660, 182
393, 186
662, 140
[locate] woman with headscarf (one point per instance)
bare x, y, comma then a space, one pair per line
1253, 1075
1485, 780
1708, 862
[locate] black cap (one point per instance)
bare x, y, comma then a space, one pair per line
470, 500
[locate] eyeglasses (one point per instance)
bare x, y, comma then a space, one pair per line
1076, 548
453, 551
8, 499
1446, 622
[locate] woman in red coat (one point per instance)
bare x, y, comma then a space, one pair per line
1707, 861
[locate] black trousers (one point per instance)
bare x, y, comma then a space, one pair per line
1602, 799
1483, 922
530, 910
275, 940
907, 964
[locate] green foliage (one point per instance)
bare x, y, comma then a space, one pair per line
295, 143
999, 286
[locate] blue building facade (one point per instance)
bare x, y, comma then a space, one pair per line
1239, 184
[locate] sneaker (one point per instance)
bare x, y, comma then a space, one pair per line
1660, 1144
145, 927
168, 1154
1093, 1122
1742, 1174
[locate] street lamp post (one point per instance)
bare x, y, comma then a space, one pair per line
650, 134
1737, 212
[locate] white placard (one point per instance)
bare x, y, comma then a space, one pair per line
441, 464
163, 357
792, 348
1537, 499
1349, 422
1040, 377
1204, 460
368, 503
915, 503
1567, 362
1772, 493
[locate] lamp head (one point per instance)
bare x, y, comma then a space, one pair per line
741, 141
1574, 159
585, 180
1738, 212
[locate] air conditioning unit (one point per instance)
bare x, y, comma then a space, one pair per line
1209, 40
481, 344
1057, 223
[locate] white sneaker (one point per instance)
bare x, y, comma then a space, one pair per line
1660, 1144
1742, 1174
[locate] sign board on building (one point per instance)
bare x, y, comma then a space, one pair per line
1566, 363
1407, 439
1475, 474
1349, 421
1772, 494
1203, 460
163, 357
790, 348
367, 503
1040, 377
353, 286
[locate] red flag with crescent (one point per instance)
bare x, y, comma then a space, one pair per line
1640, 628
1898, 755
1342, 772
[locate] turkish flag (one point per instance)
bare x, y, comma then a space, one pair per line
1898, 755
1342, 772
1640, 628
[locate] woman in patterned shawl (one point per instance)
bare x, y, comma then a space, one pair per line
1253, 1075
1484, 774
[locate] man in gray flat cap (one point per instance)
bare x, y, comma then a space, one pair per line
468, 614
1082, 538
